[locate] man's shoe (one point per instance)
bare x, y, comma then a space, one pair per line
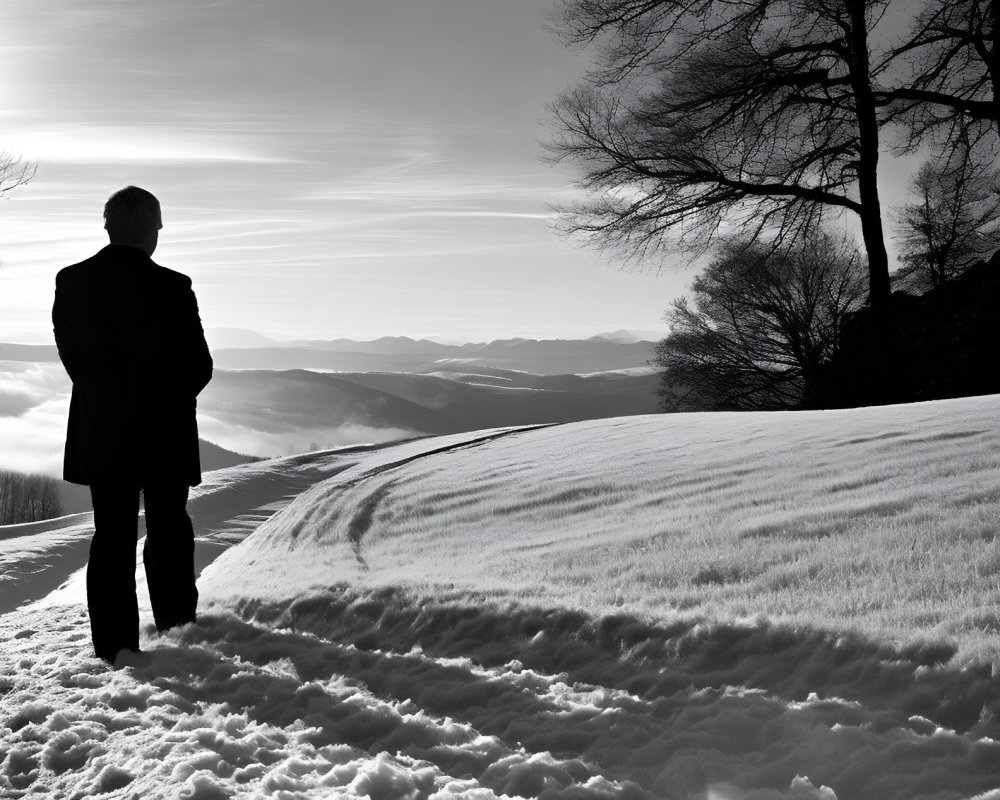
165, 625
130, 658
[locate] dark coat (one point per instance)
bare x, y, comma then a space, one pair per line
129, 335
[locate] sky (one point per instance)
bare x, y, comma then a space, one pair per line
327, 168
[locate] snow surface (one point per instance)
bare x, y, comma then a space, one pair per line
882, 519
466, 616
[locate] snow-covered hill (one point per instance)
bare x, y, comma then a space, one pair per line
724, 606
875, 518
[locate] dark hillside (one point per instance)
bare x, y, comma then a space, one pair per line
944, 344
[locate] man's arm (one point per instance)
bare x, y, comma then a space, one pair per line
73, 336
198, 360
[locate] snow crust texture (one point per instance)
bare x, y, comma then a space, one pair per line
383, 695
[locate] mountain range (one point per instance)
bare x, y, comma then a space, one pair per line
402, 354
225, 338
238, 349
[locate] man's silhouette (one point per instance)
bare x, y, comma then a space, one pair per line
130, 338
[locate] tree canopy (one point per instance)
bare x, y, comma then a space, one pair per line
759, 325
762, 116
706, 122
950, 67
710, 116
953, 220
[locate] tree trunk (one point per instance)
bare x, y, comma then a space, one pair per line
876, 376
994, 58
868, 146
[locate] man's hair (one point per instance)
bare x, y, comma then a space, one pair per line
131, 214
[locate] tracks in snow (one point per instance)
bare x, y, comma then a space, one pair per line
361, 521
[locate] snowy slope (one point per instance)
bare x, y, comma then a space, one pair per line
691, 606
878, 519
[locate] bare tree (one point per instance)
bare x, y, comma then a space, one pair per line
14, 172
759, 325
952, 62
701, 116
954, 221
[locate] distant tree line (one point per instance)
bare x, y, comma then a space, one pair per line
745, 131
27, 498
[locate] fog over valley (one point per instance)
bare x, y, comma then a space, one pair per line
271, 398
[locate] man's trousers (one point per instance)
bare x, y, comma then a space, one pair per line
168, 556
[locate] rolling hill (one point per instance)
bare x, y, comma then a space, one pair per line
445, 402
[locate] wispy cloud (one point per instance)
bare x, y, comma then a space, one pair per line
483, 214
94, 144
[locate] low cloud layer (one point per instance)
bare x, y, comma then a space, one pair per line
34, 407
245, 440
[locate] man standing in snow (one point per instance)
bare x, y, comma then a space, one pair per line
130, 337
